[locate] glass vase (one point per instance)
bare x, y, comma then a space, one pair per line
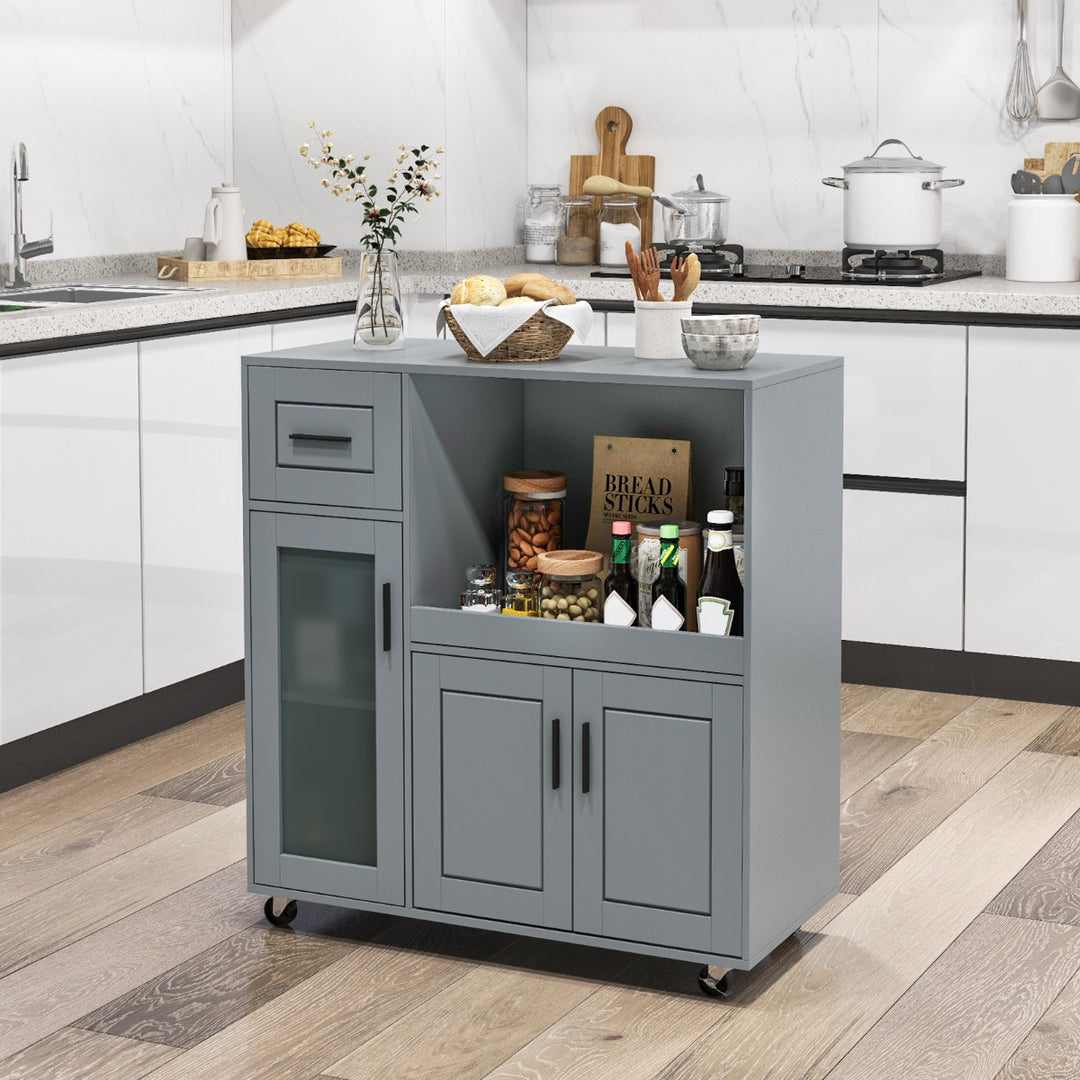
380, 322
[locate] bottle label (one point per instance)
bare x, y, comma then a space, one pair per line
617, 612
719, 539
669, 553
620, 550
714, 614
665, 615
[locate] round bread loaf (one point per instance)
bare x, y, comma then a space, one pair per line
510, 300
480, 289
515, 282
548, 290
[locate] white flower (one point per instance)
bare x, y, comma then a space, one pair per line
439, 150
337, 189
326, 134
311, 124
438, 176
325, 183
348, 159
328, 148
304, 148
367, 157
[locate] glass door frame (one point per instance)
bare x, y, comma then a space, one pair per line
273, 868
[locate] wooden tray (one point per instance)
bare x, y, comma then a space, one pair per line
613, 127
249, 268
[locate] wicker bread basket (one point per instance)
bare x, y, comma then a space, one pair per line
539, 338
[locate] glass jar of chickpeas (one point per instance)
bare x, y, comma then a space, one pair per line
570, 589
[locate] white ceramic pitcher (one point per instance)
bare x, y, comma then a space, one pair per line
223, 226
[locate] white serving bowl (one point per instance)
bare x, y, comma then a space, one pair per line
720, 352
721, 324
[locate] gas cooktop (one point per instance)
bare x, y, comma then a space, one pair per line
858, 266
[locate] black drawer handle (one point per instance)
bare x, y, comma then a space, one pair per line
586, 770
556, 754
299, 436
386, 635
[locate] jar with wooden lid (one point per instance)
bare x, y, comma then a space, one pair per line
533, 512
570, 589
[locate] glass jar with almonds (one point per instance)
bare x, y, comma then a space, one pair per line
533, 513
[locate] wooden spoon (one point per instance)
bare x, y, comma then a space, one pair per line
607, 185
693, 274
651, 265
635, 270
679, 270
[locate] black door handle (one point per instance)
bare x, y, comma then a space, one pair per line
556, 754
300, 436
386, 632
586, 746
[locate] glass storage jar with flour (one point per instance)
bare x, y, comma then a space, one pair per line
619, 222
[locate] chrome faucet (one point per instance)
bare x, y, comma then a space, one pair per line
21, 249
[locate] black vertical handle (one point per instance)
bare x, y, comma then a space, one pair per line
556, 754
386, 634
586, 744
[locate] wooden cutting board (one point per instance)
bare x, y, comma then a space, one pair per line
240, 269
613, 127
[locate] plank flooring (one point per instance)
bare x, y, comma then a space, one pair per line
131, 948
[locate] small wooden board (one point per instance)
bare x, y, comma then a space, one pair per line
1057, 153
240, 269
613, 127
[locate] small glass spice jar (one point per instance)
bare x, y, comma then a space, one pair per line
571, 590
522, 596
482, 595
543, 215
576, 245
619, 222
533, 514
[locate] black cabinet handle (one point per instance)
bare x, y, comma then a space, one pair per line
586, 745
556, 753
300, 436
386, 635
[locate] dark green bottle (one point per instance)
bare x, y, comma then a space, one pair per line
668, 591
620, 589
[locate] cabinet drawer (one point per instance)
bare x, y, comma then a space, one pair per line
325, 437
904, 392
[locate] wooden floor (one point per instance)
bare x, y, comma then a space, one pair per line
129, 947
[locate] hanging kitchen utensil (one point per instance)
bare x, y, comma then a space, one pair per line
1020, 97
613, 127
1059, 97
1052, 185
1026, 183
1070, 175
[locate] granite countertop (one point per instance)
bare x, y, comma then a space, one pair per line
436, 272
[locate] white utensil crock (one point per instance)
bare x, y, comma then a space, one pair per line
223, 226
658, 328
1043, 238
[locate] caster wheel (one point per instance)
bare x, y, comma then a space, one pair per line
283, 917
713, 987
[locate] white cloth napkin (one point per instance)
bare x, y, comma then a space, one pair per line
488, 327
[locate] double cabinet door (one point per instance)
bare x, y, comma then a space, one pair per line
607, 804
326, 799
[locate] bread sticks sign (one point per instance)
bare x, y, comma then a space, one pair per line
636, 480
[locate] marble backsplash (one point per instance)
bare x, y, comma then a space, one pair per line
766, 99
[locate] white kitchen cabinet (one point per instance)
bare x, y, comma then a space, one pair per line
904, 569
301, 332
904, 392
71, 622
1023, 554
620, 329
421, 311
192, 535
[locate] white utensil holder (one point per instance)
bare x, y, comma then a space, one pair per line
658, 328
1043, 238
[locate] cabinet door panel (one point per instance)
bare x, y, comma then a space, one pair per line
491, 818
71, 627
658, 833
326, 706
300, 332
904, 392
904, 569
1023, 582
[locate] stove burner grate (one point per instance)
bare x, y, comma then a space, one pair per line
861, 264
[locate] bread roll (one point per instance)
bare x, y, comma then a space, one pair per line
480, 289
516, 281
510, 300
548, 290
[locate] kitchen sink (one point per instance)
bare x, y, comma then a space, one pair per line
90, 294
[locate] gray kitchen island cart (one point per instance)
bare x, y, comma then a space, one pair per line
674, 794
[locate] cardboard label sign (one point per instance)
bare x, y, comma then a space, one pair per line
636, 480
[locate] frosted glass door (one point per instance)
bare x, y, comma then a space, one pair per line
327, 720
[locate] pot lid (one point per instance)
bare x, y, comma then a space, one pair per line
697, 192
891, 164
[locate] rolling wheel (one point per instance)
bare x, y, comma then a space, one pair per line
712, 986
281, 918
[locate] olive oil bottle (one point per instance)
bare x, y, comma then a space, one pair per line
668, 591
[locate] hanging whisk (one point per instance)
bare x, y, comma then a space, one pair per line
1020, 99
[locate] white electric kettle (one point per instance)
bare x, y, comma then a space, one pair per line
223, 227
